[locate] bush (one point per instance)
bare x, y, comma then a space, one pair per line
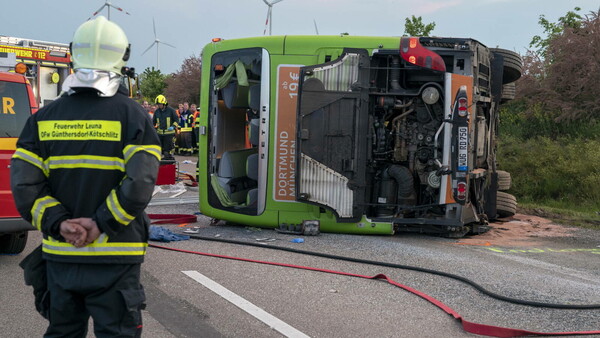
561, 169
529, 120
549, 137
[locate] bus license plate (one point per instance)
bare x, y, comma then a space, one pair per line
463, 142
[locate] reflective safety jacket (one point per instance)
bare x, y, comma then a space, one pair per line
88, 156
187, 121
197, 120
165, 118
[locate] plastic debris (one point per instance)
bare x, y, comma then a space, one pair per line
265, 239
188, 162
173, 188
160, 234
297, 240
193, 230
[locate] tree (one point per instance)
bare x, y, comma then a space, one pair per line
574, 69
563, 75
152, 83
415, 27
184, 85
554, 29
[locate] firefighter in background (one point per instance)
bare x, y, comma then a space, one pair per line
187, 123
82, 174
179, 112
165, 121
196, 133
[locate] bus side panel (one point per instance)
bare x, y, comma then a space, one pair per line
279, 209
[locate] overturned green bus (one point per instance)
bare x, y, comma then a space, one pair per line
369, 135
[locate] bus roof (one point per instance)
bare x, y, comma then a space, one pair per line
303, 44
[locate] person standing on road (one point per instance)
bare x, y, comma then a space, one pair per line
83, 173
179, 112
186, 122
196, 134
146, 106
165, 121
148, 109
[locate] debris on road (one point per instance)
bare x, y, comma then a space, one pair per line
519, 230
160, 234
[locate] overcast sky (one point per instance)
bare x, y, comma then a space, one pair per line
191, 24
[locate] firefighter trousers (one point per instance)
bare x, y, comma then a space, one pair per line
110, 293
166, 143
186, 146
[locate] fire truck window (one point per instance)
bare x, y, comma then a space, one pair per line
14, 109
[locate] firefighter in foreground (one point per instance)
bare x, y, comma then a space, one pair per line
83, 173
165, 121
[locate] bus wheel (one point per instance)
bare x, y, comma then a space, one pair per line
513, 65
508, 92
506, 205
13, 243
504, 180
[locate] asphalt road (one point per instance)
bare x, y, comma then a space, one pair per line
326, 305
317, 304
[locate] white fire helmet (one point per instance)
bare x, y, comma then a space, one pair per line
100, 44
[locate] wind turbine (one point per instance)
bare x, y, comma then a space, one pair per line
157, 42
108, 5
269, 21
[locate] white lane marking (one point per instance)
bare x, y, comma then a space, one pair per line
245, 305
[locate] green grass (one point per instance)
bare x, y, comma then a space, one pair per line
572, 216
525, 122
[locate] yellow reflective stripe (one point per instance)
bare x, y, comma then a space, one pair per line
39, 208
166, 132
131, 149
31, 158
81, 45
55, 247
80, 130
186, 129
117, 210
86, 162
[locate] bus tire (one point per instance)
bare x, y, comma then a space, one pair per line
508, 92
504, 180
513, 65
506, 205
13, 243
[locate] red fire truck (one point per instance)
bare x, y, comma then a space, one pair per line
17, 103
48, 64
